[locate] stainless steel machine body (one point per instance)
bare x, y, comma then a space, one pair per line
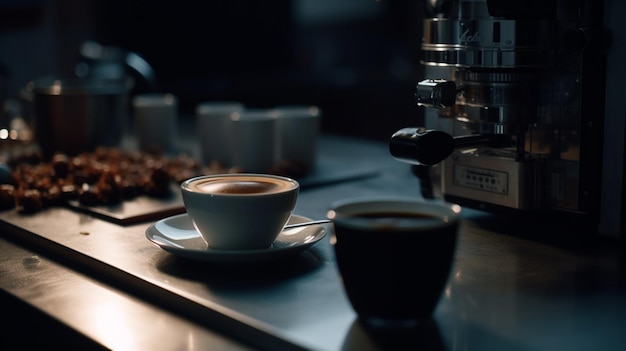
527, 80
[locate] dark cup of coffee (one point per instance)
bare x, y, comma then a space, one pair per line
394, 256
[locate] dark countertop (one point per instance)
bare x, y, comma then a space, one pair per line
514, 285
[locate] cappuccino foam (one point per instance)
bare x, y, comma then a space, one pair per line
241, 185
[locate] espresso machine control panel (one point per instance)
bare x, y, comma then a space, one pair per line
520, 88
493, 179
482, 179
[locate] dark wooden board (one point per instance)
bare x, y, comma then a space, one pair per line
140, 209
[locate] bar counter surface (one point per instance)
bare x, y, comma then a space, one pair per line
514, 285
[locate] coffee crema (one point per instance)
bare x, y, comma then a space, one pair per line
241, 185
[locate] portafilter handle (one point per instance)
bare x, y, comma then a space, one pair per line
421, 146
427, 147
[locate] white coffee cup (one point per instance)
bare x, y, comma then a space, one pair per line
214, 130
240, 211
298, 130
156, 121
253, 142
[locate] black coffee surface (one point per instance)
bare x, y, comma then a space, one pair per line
390, 220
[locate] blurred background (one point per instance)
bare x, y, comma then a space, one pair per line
356, 59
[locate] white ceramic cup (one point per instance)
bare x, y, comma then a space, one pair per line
253, 141
156, 121
240, 211
214, 130
298, 130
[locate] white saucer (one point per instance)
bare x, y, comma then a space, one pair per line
178, 236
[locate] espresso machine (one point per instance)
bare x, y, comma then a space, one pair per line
517, 117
